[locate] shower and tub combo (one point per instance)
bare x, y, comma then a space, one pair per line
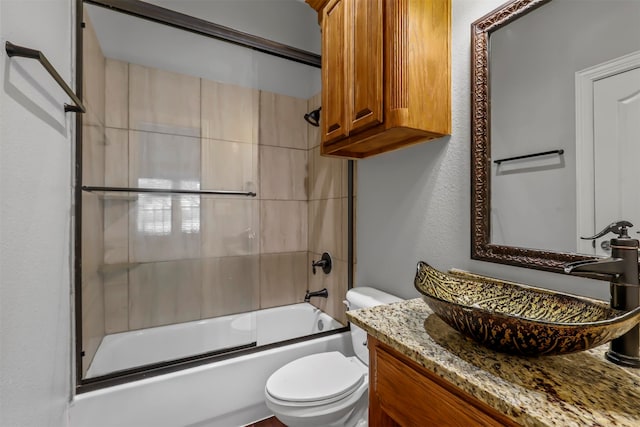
205, 218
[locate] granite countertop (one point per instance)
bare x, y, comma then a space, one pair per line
580, 389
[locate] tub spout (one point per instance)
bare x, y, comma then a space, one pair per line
324, 293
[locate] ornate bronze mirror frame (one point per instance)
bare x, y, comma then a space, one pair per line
481, 246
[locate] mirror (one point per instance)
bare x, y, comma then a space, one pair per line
538, 66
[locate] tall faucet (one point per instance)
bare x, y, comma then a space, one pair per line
324, 293
622, 268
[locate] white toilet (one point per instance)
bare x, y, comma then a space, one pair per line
327, 389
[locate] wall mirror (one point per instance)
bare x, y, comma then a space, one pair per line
201, 195
555, 129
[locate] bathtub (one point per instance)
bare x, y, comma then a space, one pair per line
261, 327
219, 394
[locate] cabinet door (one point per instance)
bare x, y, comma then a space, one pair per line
334, 71
402, 393
365, 64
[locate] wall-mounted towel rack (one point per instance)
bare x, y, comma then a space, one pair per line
168, 191
526, 156
25, 52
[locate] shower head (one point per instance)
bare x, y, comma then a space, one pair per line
313, 118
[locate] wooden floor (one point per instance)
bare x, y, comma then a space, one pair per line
269, 422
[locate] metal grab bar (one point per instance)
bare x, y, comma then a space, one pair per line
526, 156
168, 191
25, 52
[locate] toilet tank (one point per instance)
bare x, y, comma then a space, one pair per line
365, 297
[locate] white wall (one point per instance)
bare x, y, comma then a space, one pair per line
414, 204
35, 215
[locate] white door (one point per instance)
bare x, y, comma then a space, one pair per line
616, 130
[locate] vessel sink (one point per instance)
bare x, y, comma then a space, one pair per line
520, 319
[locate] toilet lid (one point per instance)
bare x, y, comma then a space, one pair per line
317, 377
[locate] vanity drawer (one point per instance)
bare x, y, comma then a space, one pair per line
404, 394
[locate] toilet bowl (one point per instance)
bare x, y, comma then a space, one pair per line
327, 389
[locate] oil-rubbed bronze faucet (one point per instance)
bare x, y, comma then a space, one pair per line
324, 263
622, 268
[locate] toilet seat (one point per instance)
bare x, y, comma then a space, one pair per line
318, 379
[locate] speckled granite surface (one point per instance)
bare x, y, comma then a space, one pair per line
580, 389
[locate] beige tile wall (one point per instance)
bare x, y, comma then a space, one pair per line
164, 102
283, 226
283, 175
281, 123
160, 160
93, 304
246, 253
168, 127
283, 278
229, 112
327, 222
116, 94
229, 165
336, 283
93, 87
116, 300
116, 210
284, 189
230, 285
163, 293
93, 155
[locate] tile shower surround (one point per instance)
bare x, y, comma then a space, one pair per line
93, 130
221, 267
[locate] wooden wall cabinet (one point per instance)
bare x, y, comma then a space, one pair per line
402, 393
385, 74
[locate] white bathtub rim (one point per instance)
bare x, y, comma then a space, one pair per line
109, 359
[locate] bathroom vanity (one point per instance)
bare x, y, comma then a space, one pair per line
422, 372
395, 377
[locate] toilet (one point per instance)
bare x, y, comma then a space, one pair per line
327, 389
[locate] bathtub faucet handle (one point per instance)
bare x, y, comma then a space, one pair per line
324, 263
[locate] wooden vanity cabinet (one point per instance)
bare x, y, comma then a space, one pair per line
402, 393
385, 74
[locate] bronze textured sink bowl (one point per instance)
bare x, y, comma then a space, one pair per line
520, 319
